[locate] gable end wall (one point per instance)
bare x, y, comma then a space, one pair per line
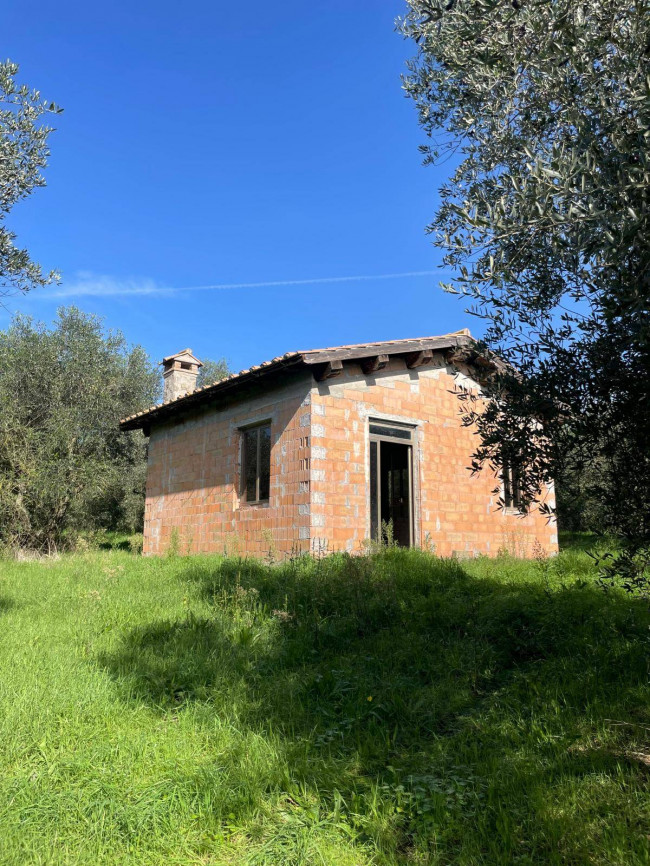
455, 513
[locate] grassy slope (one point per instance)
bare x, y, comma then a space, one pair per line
395, 710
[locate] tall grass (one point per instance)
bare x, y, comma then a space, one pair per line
389, 709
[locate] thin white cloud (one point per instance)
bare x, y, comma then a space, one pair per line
97, 285
104, 286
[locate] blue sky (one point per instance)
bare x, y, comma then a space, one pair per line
212, 144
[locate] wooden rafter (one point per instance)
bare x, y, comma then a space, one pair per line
418, 359
328, 371
374, 364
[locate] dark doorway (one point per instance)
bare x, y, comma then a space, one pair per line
391, 498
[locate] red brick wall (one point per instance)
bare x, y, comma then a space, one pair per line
320, 472
455, 513
193, 478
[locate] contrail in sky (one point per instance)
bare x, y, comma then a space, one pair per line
106, 286
310, 282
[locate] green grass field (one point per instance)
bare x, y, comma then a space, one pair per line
395, 709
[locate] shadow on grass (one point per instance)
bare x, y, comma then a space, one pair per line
121, 544
447, 701
6, 604
586, 542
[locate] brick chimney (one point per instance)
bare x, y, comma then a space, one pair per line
179, 374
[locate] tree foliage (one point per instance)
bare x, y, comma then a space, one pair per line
212, 371
64, 464
23, 153
545, 107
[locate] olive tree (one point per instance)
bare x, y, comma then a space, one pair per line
23, 154
211, 371
544, 108
64, 463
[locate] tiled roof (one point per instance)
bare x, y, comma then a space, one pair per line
382, 344
308, 357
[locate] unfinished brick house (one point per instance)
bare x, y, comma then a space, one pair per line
321, 449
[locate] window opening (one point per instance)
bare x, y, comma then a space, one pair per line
511, 486
391, 482
256, 474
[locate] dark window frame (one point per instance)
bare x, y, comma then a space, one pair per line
399, 433
391, 431
259, 476
512, 501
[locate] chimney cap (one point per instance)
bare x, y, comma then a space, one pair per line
185, 355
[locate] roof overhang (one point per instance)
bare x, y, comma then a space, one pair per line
322, 363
